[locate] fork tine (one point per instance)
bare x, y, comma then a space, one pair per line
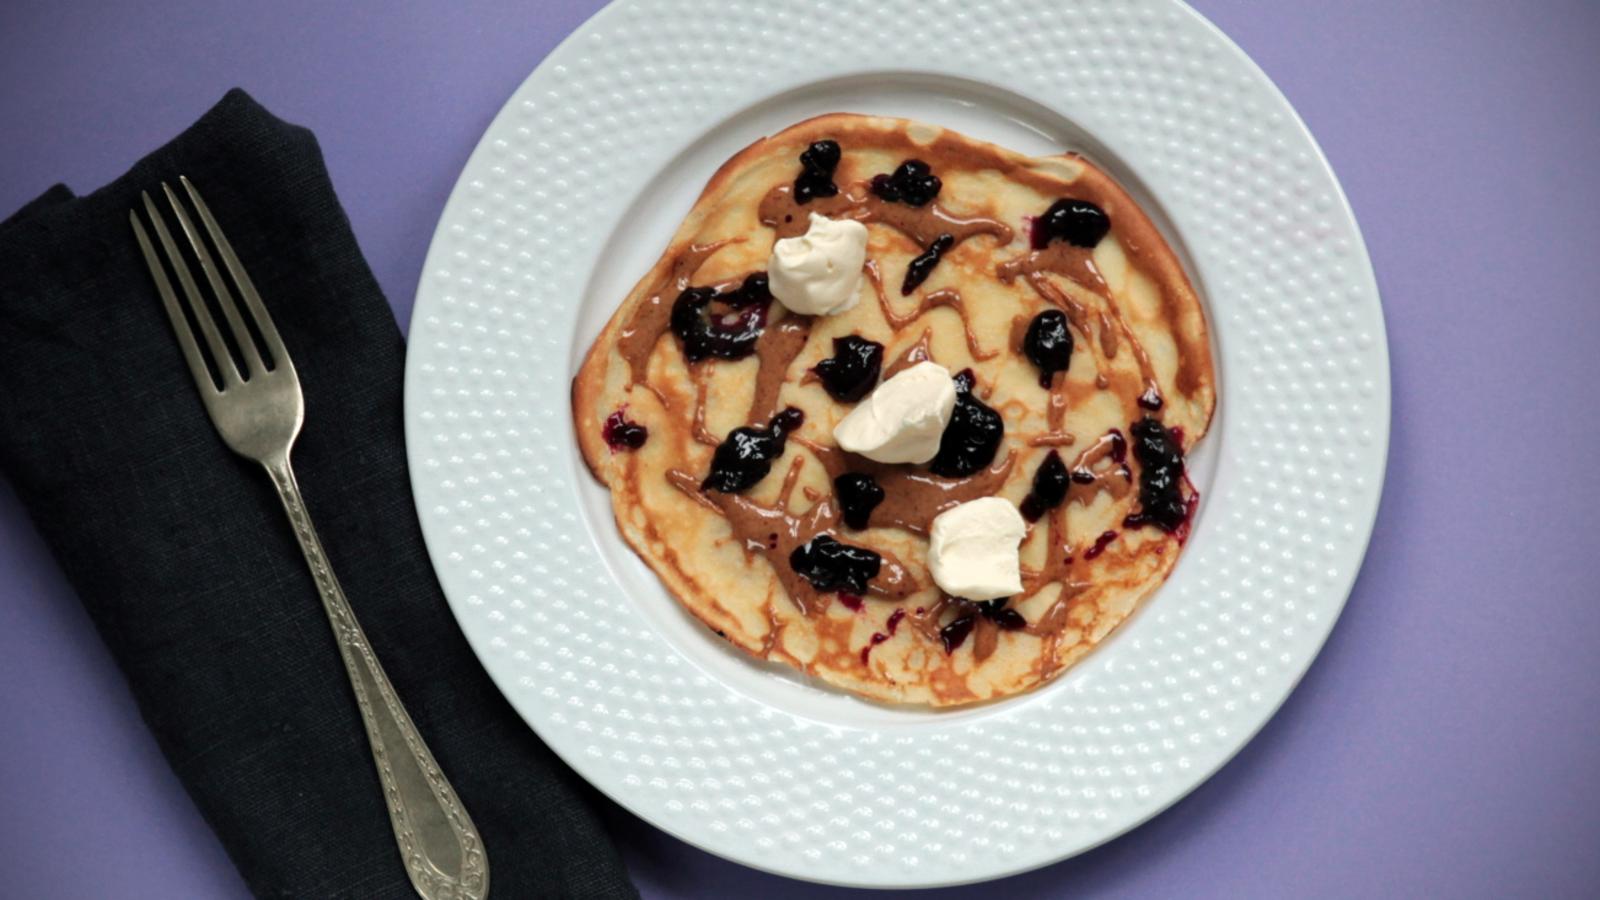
247, 290
180, 325
230, 310
197, 304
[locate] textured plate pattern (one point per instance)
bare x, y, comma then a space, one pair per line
1302, 426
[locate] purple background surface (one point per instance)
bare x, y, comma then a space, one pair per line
1447, 741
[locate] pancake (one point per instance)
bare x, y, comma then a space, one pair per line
1108, 433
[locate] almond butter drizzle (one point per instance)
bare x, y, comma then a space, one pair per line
943, 297
912, 498
1058, 567
777, 349
1115, 480
985, 638
790, 479
701, 433
919, 352
920, 223
1077, 265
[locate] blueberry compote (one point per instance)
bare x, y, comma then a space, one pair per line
852, 370
973, 436
1048, 344
832, 565
913, 184
621, 433
921, 266
746, 455
816, 172
1078, 222
1050, 483
859, 495
1160, 458
1002, 615
729, 336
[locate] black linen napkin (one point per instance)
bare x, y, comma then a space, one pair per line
182, 555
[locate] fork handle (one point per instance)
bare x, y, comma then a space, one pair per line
441, 848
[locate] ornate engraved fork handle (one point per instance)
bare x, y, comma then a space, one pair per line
442, 850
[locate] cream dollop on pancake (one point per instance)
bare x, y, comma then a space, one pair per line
958, 279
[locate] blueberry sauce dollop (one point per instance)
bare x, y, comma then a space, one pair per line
732, 336
1050, 483
1078, 222
921, 266
832, 565
859, 494
622, 433
1002, 615
1048, 344
1160, 459
817, 163
970, 441
852, 371
955, 634
746, 455
913, 184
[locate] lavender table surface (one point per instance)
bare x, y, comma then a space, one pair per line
1447, 742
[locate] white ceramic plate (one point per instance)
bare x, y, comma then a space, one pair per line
575, 189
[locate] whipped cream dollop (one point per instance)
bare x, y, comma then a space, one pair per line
819, 272
903, 419
973, 549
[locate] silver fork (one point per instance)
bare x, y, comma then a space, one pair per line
258, 412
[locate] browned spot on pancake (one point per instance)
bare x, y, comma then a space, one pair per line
949, 685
